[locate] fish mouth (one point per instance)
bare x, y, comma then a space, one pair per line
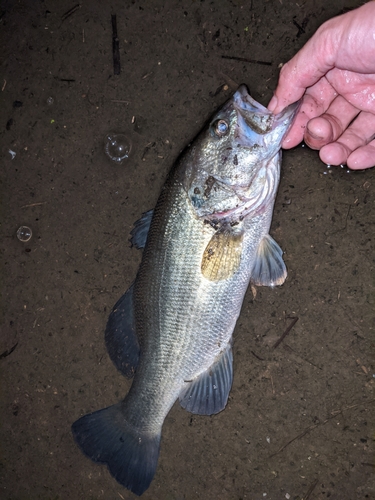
255, 121
286, 117
256, 116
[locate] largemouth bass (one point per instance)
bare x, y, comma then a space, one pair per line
207, 238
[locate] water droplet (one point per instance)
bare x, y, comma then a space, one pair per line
24, 234
50, 100
117, 147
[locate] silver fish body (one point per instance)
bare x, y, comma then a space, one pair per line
205, 241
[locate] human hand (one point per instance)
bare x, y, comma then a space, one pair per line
335, 74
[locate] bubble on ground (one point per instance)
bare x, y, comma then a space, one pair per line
117, 147
24, 233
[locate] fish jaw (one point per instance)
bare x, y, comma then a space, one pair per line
258, 127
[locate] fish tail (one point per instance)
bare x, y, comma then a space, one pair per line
130, 455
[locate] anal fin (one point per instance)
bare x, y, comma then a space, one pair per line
269, 268
208, 393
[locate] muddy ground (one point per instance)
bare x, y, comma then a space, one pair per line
300, 419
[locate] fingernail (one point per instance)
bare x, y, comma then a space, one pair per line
273, 103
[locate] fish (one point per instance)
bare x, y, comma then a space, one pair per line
206, 240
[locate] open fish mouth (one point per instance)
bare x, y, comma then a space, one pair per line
255, 122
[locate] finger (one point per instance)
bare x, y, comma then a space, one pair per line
296, 132
356, 88
304, 70
286, 92
358, 134
315, 101
363, 157
329, 126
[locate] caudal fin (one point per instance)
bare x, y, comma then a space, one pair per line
131, 456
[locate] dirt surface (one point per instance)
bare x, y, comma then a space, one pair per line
300, 419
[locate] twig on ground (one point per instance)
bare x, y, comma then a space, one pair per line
278, 342
115, 47
258, 357
312, 427
245, 59
8, 351
70, 12
34, 204
310, 490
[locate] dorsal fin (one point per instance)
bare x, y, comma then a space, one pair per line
140, 230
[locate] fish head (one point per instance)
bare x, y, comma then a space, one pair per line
234, 167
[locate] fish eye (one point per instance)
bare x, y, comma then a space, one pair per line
221, 128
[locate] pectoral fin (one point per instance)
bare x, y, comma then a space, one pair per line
269, 268
222, 256
208, 393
